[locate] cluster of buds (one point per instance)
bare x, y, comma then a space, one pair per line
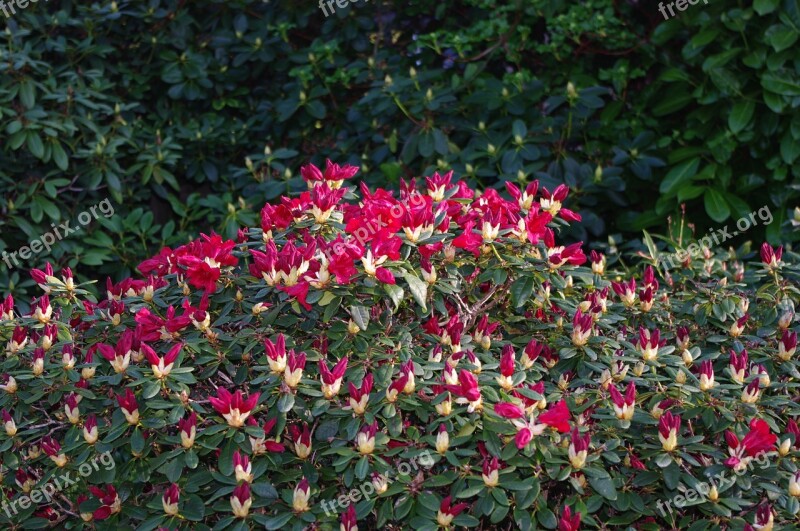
242, 467
71, 408
626, 291
648, 343
241, 501
787, 345
8, 423
170, 498
161, 366
706, 376
483, 332
301, 439
738, 325
624, 406
332, 379
129, 406
19, 338
491, 471
447, 511
668, 427
506, 378
359, 397
301, 495
295, 363
578, 448
264, 444
581, 328
90, 432
188, 430
365, 440
234, 408
53, 450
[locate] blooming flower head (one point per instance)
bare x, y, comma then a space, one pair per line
467, 391
529, 425
111, 503
758, 440
235, 408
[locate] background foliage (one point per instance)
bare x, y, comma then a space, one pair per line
159, 104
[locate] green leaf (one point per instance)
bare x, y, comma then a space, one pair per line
604, 487
716, 206
781, 37
740, 115
679, 175
521, 290
35, 145
764, 7
395, 293
360, 316
419, 290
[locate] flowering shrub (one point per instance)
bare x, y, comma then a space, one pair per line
432, 358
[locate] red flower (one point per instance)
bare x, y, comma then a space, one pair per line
110, 500
757, 441
235, 408
568, 521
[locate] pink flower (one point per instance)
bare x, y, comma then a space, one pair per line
771, 257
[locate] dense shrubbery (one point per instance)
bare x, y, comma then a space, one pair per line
158, 104
241, 383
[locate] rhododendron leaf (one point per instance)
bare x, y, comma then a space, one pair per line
395, 293
521, 290
193, 508
286, 402
604, 487
360, 316
419, 290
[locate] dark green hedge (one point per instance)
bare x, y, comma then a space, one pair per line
191, 114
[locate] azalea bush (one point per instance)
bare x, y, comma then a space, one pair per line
248, 383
